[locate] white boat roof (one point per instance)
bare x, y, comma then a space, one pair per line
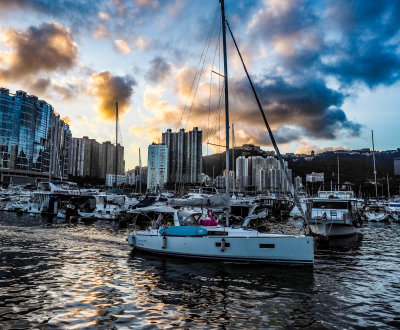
159, 209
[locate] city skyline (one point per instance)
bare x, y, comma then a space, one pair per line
327, 73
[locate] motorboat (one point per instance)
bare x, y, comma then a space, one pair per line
110, 207
376, 212
332, 214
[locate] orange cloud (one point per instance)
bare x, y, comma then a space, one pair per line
67, 120
49, 47
108, 89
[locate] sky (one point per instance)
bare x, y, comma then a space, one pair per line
326, 71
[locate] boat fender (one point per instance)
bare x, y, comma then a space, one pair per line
164, 241
223, 245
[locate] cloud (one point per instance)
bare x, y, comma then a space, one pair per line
40, 85
355, 41
159, 70
142, 43
122, 47
107, 89
101, 31
67, 120
293, 108
46, 86
47, 48
149, 3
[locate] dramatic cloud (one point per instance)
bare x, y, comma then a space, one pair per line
352, 40
159, 70
47, 48
294, 109
307, 104
107, 89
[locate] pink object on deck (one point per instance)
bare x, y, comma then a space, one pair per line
209, 222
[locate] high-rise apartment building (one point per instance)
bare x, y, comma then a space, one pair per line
90, 158
184, 155
33, 139
157, 166
241, 172
262, 173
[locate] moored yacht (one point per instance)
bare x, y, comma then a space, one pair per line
332, 214
181, 233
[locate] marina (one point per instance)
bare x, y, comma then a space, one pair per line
59, 273
256, 203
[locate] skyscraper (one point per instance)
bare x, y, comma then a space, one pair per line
184, 155
34, 140
90, 158
157, 164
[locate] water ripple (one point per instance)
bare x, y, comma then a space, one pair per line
77, 276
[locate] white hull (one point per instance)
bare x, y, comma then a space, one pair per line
329, 229
106, 216
86, 214
266, 248
377, 217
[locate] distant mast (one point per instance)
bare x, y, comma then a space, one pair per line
140, 173
226, 110
116, 144
373, 157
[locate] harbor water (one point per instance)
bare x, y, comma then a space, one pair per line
76, 275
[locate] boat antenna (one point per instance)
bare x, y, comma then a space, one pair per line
226, 110
288, 178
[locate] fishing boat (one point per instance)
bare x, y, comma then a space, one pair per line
333, 214
189, 236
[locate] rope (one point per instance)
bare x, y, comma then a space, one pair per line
198, 65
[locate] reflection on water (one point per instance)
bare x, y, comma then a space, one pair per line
85, 275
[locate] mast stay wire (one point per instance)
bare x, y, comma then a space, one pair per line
288, 178
209, 99
198, 65
207, 46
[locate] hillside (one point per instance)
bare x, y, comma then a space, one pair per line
355, 167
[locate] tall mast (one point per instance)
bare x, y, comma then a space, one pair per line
387, 179
51, 149
116, 144
373, 157
233, 156
338, 172
226, 108
140, 173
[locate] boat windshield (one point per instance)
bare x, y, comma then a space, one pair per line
332, 205
187, 218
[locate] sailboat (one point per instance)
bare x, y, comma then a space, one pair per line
190, 236
376, 212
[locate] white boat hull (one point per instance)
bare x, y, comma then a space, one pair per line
329, 229
265, 248
377, 217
